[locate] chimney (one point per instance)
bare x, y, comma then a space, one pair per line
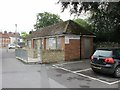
10, 32
5, 32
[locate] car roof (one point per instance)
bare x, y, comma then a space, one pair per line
109, 48
11, 44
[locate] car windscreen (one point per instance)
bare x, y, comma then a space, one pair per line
104, 53
12, 45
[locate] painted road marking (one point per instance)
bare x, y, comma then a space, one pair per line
76, 72
82, 70
68, 62
63, 68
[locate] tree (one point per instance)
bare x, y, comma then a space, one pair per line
30, 32
83, 23
24, 35
105, 17
107, 22
46, 19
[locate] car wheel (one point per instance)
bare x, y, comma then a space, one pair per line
95, 71
117, 72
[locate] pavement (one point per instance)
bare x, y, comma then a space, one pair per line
16, 74
0, 68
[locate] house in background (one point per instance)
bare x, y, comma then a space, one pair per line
0, 39
14, 37
8, 38
4, 40
65, 41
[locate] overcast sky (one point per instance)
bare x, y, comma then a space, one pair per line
23, 13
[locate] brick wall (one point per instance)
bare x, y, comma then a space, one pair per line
72, 50
50, 56
63, 43
44, 43
32, 43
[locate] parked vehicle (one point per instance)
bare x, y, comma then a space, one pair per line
107, 61
11, 46
18, 46
21, 44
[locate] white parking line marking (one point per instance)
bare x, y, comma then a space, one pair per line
82, 70
93, 78
115, 82
63, 68
76, 72
68, 62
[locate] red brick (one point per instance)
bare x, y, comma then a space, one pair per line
72, 50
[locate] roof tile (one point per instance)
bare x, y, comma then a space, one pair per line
67, 27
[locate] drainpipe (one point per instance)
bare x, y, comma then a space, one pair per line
80, 47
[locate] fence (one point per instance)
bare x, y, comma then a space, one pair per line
27, 55
41, 56
21, 54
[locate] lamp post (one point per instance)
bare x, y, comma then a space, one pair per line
15, 33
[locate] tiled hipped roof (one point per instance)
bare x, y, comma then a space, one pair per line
67, 27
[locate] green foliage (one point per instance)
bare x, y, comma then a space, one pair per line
83, 23
107, 22
46, 19
105, 18
30, 32
24, 35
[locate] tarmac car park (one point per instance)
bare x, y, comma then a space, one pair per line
86, 77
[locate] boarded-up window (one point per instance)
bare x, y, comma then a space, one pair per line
53, 43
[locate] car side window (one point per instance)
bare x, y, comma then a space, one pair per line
118, 54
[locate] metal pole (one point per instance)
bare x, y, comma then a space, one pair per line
15, 33
80, 46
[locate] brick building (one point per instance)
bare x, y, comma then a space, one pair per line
4, 39
7, 38
66, 40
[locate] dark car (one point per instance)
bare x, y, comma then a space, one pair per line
107, 61
21, 44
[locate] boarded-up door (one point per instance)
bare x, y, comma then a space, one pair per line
87, 48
